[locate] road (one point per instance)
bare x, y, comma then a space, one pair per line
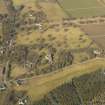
71, 66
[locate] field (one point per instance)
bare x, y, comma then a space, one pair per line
2, 7
99, 98
3, 96
89, 86
63, 95
39, 86
83, 8
79, 91
95, 32
52, 10
19, 2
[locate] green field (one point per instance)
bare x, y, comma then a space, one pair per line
83, 8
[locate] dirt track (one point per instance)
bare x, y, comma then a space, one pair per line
45, 83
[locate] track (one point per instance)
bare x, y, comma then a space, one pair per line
45, 83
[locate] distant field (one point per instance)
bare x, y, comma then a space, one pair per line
18, 2
2, 7
95, 32
83, 8
52, 10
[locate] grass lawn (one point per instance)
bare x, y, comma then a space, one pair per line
83, 8
39, 86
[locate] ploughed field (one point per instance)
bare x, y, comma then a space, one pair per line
96, 32
83, 8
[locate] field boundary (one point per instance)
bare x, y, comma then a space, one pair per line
84, 8
67, 10
68, 14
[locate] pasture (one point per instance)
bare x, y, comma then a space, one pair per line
83, 8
